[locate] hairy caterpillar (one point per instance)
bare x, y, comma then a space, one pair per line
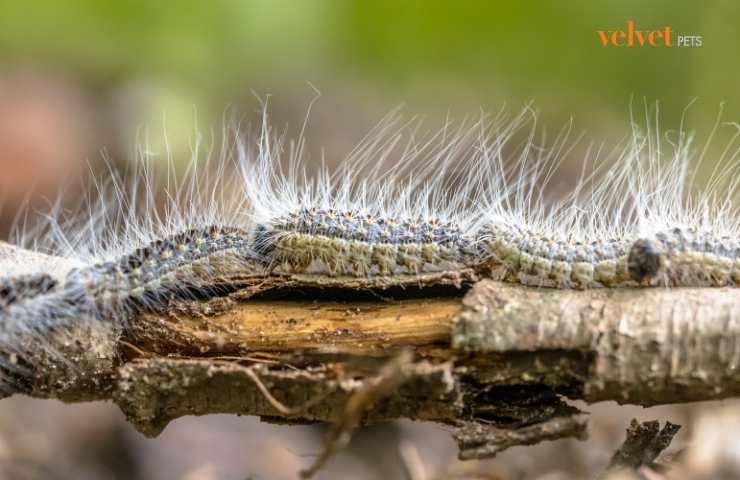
349, 243
472, 198
543, 261
24, 287
166, 267
685, 257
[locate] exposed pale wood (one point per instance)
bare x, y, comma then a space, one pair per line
328, 327
496, 365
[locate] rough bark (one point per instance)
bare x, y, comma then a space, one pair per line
495, 363
644, 346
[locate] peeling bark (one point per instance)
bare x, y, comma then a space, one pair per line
496, 365
645, 346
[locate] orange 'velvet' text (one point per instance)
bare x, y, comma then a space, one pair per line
632, 37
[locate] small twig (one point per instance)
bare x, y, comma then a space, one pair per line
136, 349
277, 404
250, 358
644, 442
389, 378
412, 464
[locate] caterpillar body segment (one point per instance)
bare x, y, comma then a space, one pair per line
685, 257
347, 243
537, 260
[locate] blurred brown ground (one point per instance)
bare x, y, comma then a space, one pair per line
47, 439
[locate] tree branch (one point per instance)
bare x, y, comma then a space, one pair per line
494, 365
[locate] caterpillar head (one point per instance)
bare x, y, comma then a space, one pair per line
645, 261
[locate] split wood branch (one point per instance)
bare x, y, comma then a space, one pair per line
496, 362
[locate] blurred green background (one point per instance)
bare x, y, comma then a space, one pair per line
381, 52
133, 63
